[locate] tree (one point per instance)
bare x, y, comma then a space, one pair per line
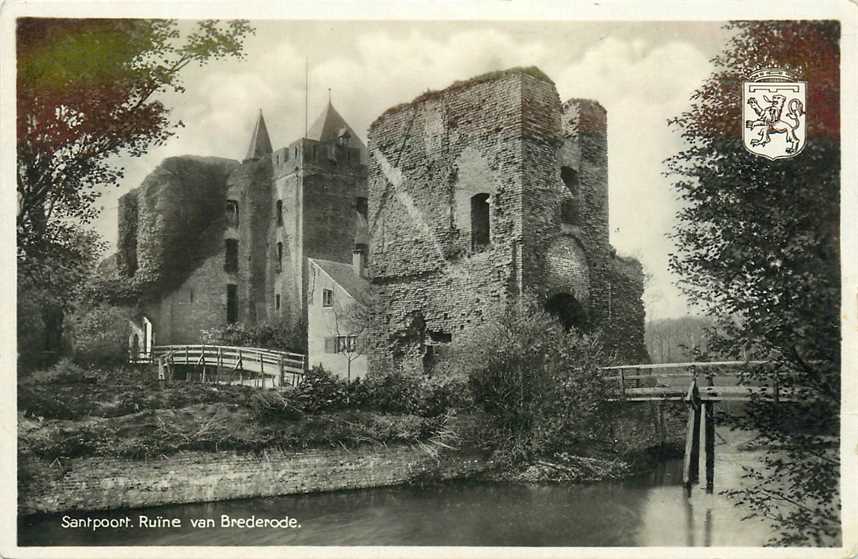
349, 324
758, 249
87, 92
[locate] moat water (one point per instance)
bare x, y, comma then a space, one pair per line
649, 510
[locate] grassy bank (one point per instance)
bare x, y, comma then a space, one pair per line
68, 412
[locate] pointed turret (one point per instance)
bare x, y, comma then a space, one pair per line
330, 126
260, 143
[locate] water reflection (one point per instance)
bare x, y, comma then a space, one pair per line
647, 511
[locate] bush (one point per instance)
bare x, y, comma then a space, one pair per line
278, 335
321, 391
540, 384
99, 334
439, 394
391, 392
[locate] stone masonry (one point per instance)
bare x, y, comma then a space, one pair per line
213, 241
192, 477
466, 198
440, 257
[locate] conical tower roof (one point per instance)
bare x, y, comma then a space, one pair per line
260, 143
330, 125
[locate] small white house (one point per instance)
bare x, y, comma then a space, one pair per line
337, 295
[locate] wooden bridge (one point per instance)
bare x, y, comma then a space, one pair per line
716, 381
231, 364
700, 385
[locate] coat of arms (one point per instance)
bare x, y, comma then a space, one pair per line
774, 114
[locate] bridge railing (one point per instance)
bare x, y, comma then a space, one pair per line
669, 381
281, 367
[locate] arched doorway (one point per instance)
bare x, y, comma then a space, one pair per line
148, 337
568, 311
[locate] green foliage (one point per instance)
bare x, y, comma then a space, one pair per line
321, 391
51, 271
87, 92
540, 384
280, 335
387, 392
99, 334
758, 244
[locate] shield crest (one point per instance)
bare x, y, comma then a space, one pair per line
774, 114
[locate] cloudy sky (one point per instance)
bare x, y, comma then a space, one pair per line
642, 73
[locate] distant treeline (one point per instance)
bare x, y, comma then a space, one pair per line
673, 340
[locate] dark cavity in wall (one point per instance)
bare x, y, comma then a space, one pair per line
568, 311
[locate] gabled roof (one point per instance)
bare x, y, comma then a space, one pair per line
330, 125
260, 143
344, 275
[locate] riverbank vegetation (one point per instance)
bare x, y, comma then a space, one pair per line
69, 412
758, 250
546, 405
520, 389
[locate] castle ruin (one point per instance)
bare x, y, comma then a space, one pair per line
485, 191
472, 196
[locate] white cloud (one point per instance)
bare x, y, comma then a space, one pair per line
640, 89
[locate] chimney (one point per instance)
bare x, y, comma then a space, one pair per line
359, 261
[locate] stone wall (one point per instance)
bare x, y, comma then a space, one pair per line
504, 135
174, 213
624, 331
318, 184
427, 160
99, 483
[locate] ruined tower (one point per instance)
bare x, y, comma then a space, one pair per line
214, 241
479, 193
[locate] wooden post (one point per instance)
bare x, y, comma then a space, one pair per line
219, 363
188, 372
709, 438
622, 384
690, 474
262, 369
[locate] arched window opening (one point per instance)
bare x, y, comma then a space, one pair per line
279, 211
480, 222
232, 213
362, 206
570, 179
568, 311
279, 257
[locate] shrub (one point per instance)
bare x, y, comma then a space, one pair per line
439, 394
321, 391
99, 334
390, 392
278, 335
540, 384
